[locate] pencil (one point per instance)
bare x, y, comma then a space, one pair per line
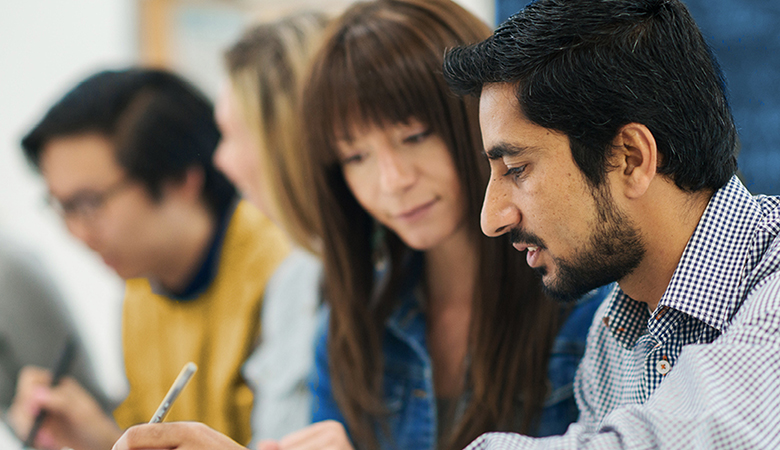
184, 377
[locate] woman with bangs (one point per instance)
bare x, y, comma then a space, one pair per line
435, 333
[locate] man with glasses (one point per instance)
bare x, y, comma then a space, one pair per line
127, 160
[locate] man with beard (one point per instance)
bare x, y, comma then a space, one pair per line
613, 156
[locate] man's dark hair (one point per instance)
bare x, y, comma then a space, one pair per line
587, 67
159, 125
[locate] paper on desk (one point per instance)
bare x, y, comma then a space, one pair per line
8, 440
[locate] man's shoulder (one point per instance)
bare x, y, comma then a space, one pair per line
253, 239
766, 274
761, 268
757, 322
136, 287
766, 245
770, 211
760, 309
248, 221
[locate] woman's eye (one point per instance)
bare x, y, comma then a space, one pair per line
417, 137
353, 159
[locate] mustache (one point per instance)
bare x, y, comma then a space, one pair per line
518, 236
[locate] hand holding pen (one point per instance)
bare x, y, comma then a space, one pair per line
184, 377
61, 368
72, 418
177, 435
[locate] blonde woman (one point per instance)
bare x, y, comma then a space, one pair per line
260, 153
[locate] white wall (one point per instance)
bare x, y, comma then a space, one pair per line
45, 47
484, 9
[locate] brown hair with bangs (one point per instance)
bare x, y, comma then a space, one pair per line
380, 65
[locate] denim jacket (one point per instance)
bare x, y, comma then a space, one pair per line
408, 376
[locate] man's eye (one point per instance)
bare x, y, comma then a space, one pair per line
515, 172
89, 202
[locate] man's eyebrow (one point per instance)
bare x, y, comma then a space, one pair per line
503, 149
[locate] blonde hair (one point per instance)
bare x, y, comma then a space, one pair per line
266, 68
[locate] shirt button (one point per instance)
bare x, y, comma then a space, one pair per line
420, 393
663, 367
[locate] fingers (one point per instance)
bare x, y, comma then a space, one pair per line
31, 381
70, 396
152, 436
268, 445
33, 375
68, 402
73, 418
44, 439
31, 390
327, 434
175, 435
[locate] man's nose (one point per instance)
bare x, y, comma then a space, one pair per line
499, 213
82, 230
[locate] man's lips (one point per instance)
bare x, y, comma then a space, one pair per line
522, 247
533, 255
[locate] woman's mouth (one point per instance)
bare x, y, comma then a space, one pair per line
416, 212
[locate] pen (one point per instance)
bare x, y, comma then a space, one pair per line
184, 376
62, 367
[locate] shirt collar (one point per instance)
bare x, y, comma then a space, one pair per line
207, 271
706, 283
625, 318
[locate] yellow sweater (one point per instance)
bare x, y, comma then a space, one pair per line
217, 331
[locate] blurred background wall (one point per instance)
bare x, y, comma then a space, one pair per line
46, 46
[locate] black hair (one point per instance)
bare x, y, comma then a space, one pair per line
160, 126
588, 67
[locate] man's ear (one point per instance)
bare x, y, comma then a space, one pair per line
634, 159
190, 187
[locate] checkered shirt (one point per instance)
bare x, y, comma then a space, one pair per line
701, 371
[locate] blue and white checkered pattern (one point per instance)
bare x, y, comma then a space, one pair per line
701, 371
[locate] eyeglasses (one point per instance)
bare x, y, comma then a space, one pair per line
87, 204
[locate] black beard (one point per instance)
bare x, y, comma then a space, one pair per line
613, 251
